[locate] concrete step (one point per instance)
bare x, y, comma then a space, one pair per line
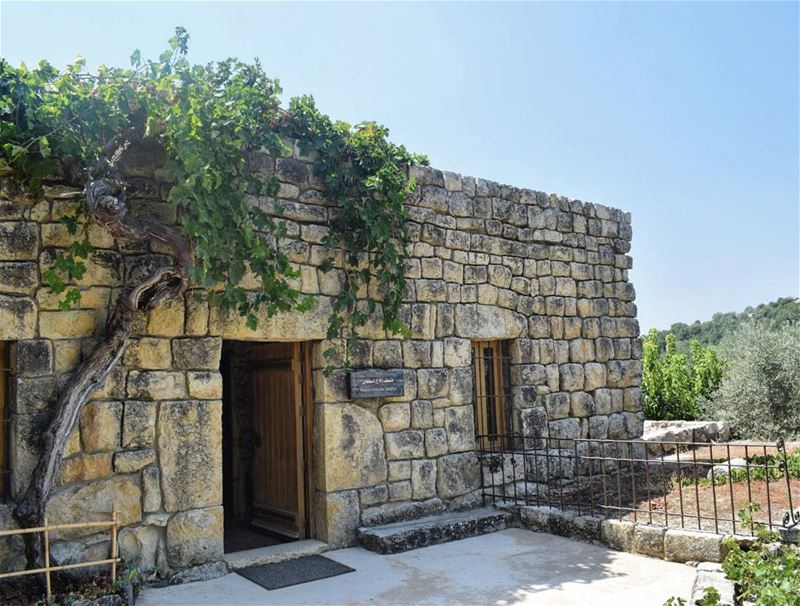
274, 553
431, 530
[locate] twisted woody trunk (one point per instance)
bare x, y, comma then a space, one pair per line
104, 204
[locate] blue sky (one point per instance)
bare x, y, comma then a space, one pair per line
685, 114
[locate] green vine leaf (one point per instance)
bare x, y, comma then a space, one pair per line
217, 122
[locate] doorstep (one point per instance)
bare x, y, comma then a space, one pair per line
274, 553
432, 530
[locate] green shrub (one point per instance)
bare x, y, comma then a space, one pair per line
674, 383
760, 392
765, 573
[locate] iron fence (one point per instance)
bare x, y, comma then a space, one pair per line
693, 485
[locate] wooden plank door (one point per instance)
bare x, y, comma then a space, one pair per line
278, 479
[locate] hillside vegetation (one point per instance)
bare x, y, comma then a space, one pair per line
771, 315
739, 367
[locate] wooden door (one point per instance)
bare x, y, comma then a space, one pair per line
279, 499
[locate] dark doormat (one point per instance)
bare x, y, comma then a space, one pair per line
294, 572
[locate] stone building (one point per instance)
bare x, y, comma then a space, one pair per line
206, 433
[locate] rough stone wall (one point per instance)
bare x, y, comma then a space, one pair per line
488, 262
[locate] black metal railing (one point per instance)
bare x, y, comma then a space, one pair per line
693, 485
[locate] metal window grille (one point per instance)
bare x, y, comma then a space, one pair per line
491, 388
5, 424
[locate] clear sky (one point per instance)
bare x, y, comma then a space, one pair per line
685, 114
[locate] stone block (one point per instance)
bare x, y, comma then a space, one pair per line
534, 426
205, 385
338, 518
92, 503
148, 353
632, 400
133, 460
353, 447
581, 404
195, 537
457, 474
26, 433
594, 375
409, 444
598, 427
373, 495
460, 386
572, 377
100, 424
190, 454
399, 470
33, 358
66, 355
624, 373
387, 354
167, 319
34, 394
156, 385
432, 382
12, 547
460, 427
17, 317
18, 277
140, 544
197, 353
435, 442
19, 240
557, 405
139, 424
390, 513
649, 540
85, 467
196, 314
457, 352
564, 429
400, 491
67, 324
692, 546
416, 354
581, 350
423, 479
617, 534
421, 414
114, 386
395, 416
482, 322
151, 489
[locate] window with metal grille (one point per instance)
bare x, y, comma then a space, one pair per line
5, 372
490, 367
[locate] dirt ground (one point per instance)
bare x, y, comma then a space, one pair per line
704, 506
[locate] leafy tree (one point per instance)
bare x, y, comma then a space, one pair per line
760, 392
211, 122
675, 383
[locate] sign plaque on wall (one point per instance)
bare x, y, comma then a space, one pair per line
375, 383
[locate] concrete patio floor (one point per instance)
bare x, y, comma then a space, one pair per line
505, 568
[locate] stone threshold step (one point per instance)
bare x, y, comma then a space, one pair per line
274, 553
431, 530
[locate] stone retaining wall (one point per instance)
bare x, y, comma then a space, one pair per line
673, 544
487, 261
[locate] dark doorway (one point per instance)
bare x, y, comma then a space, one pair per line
266, 455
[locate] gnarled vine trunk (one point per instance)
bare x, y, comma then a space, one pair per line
105, 203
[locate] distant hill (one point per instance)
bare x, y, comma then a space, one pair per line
714, 330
